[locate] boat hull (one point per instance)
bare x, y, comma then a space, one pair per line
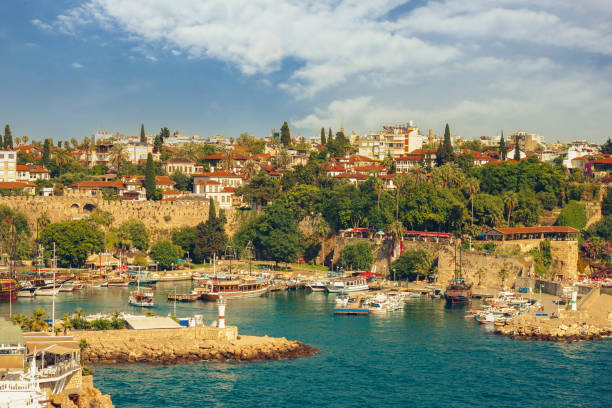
235, 294
347, 311
338, 289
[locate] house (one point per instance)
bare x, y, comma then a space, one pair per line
185, 166
18, 187
93, 187
353, 178
32, 172
218, 160
219, 185
335, 169
30, 150
164, 183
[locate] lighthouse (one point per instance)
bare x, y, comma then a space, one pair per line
221, 305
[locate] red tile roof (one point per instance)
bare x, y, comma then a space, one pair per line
98, 184
218, 174
206, 182
335, 167
357, 176
164, 181
9, 185
229, 189
535, 230
372, 167
32, 168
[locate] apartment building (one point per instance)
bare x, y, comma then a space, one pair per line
393, 141
8, 165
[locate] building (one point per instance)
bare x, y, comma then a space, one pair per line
182, 165
527, 141
137, 152
391, 141
553, 233
164, 183
579, 148
8, 165
32, 172
219, 185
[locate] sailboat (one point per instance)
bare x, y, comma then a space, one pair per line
141, 298
459, 290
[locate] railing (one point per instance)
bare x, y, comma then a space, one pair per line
58, 369
17, 386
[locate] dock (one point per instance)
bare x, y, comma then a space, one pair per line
183, 297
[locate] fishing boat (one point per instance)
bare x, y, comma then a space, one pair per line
118, 282
47, 290
459, 290
348, 285
233, 287
141, 297
354, 306
8, 289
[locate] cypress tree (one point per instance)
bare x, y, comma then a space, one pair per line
143, 137
517, 151
149, 182
285, 135
1, 142
323, 137
502, 147
46, 153
8, 137
330, 137
445, 152
212, 214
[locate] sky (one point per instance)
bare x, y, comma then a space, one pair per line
71, 67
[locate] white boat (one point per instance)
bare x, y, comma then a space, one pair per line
141, 298
25, 293
348, 285
47, 291
317, 286
70, 286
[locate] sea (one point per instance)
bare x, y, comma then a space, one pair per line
428, 355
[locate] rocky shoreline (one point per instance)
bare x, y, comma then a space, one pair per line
570, 326
182, 345
88, 397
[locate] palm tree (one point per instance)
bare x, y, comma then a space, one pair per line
379, 188
503, 274
473, 187
82, 346
41, 223
115, 157
37, 321
511, 200
249, 169
20, 319
74, 143
61, 158
400, 180
25, 139
17, 140
282, 158
397, 230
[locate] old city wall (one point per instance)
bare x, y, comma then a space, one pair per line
160, 218
482, 269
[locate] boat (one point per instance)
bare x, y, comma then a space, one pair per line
348, 285
354, 306
71, 286
118, 282
25, 293
317, 286
459, 290
141, 298
47, 291
242, 286
8, 289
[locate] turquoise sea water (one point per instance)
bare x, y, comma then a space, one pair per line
426, 356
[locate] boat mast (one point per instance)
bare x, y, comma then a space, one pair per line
54, 269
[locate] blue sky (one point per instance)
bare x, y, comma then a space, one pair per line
70, 67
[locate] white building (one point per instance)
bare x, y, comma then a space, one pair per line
218, 185
8, 165
32, 172
392, 141
579, 148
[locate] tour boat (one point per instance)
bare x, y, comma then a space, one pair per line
233, 288
8, 289
459, 290
25, 293
348, 285
141, 298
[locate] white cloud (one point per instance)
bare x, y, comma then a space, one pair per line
77, 65
44, 26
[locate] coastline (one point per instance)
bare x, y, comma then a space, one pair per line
174, 346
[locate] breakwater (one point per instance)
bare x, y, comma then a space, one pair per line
172, 346
569, 326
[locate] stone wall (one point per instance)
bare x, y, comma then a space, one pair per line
564, 253
159, 217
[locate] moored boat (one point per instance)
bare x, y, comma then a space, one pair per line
245, 286
317, 286
8, 289
141, 298
357, 284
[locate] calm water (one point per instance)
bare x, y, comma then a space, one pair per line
425, 356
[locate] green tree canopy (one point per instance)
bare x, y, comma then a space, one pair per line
606, 148
412, 264
276, 235
135, 232
573, 215
165, 253
445, 153
20, 248
285, 134
150, 182
185, 238
323, 141
184, 182
8, 137
502, 147
143, 136
74, 241
260, 190
211, 237
357, 257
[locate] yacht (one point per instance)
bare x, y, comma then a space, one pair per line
141, 297
317, 286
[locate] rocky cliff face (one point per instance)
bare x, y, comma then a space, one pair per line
88, 397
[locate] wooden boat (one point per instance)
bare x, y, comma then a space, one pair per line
118, 282
459, 290
184, 297
348, 285
141, 298
232, 288
8, 289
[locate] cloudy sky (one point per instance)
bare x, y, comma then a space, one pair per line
69, 67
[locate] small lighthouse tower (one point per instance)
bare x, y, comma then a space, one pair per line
221, 305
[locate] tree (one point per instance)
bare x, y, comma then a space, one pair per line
149, 182
285, 134
323, 141
413, 263
20, 248
184, 182
276, 235
143, 136
260, 190
249, 169
211, 237
116, 157
330, 137
46, 153
573, 215
157, 144
185, 238
488, 210
400, 180
357, 257
473, 187
502, 147
165, 253
517, 150
606, 148
74, 241
322, 230
606, 203
503, 275
8, 137
510, 200
135, 232
445, 152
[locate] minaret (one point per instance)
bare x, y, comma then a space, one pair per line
431, 137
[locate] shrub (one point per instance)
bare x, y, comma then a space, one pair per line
573, 215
